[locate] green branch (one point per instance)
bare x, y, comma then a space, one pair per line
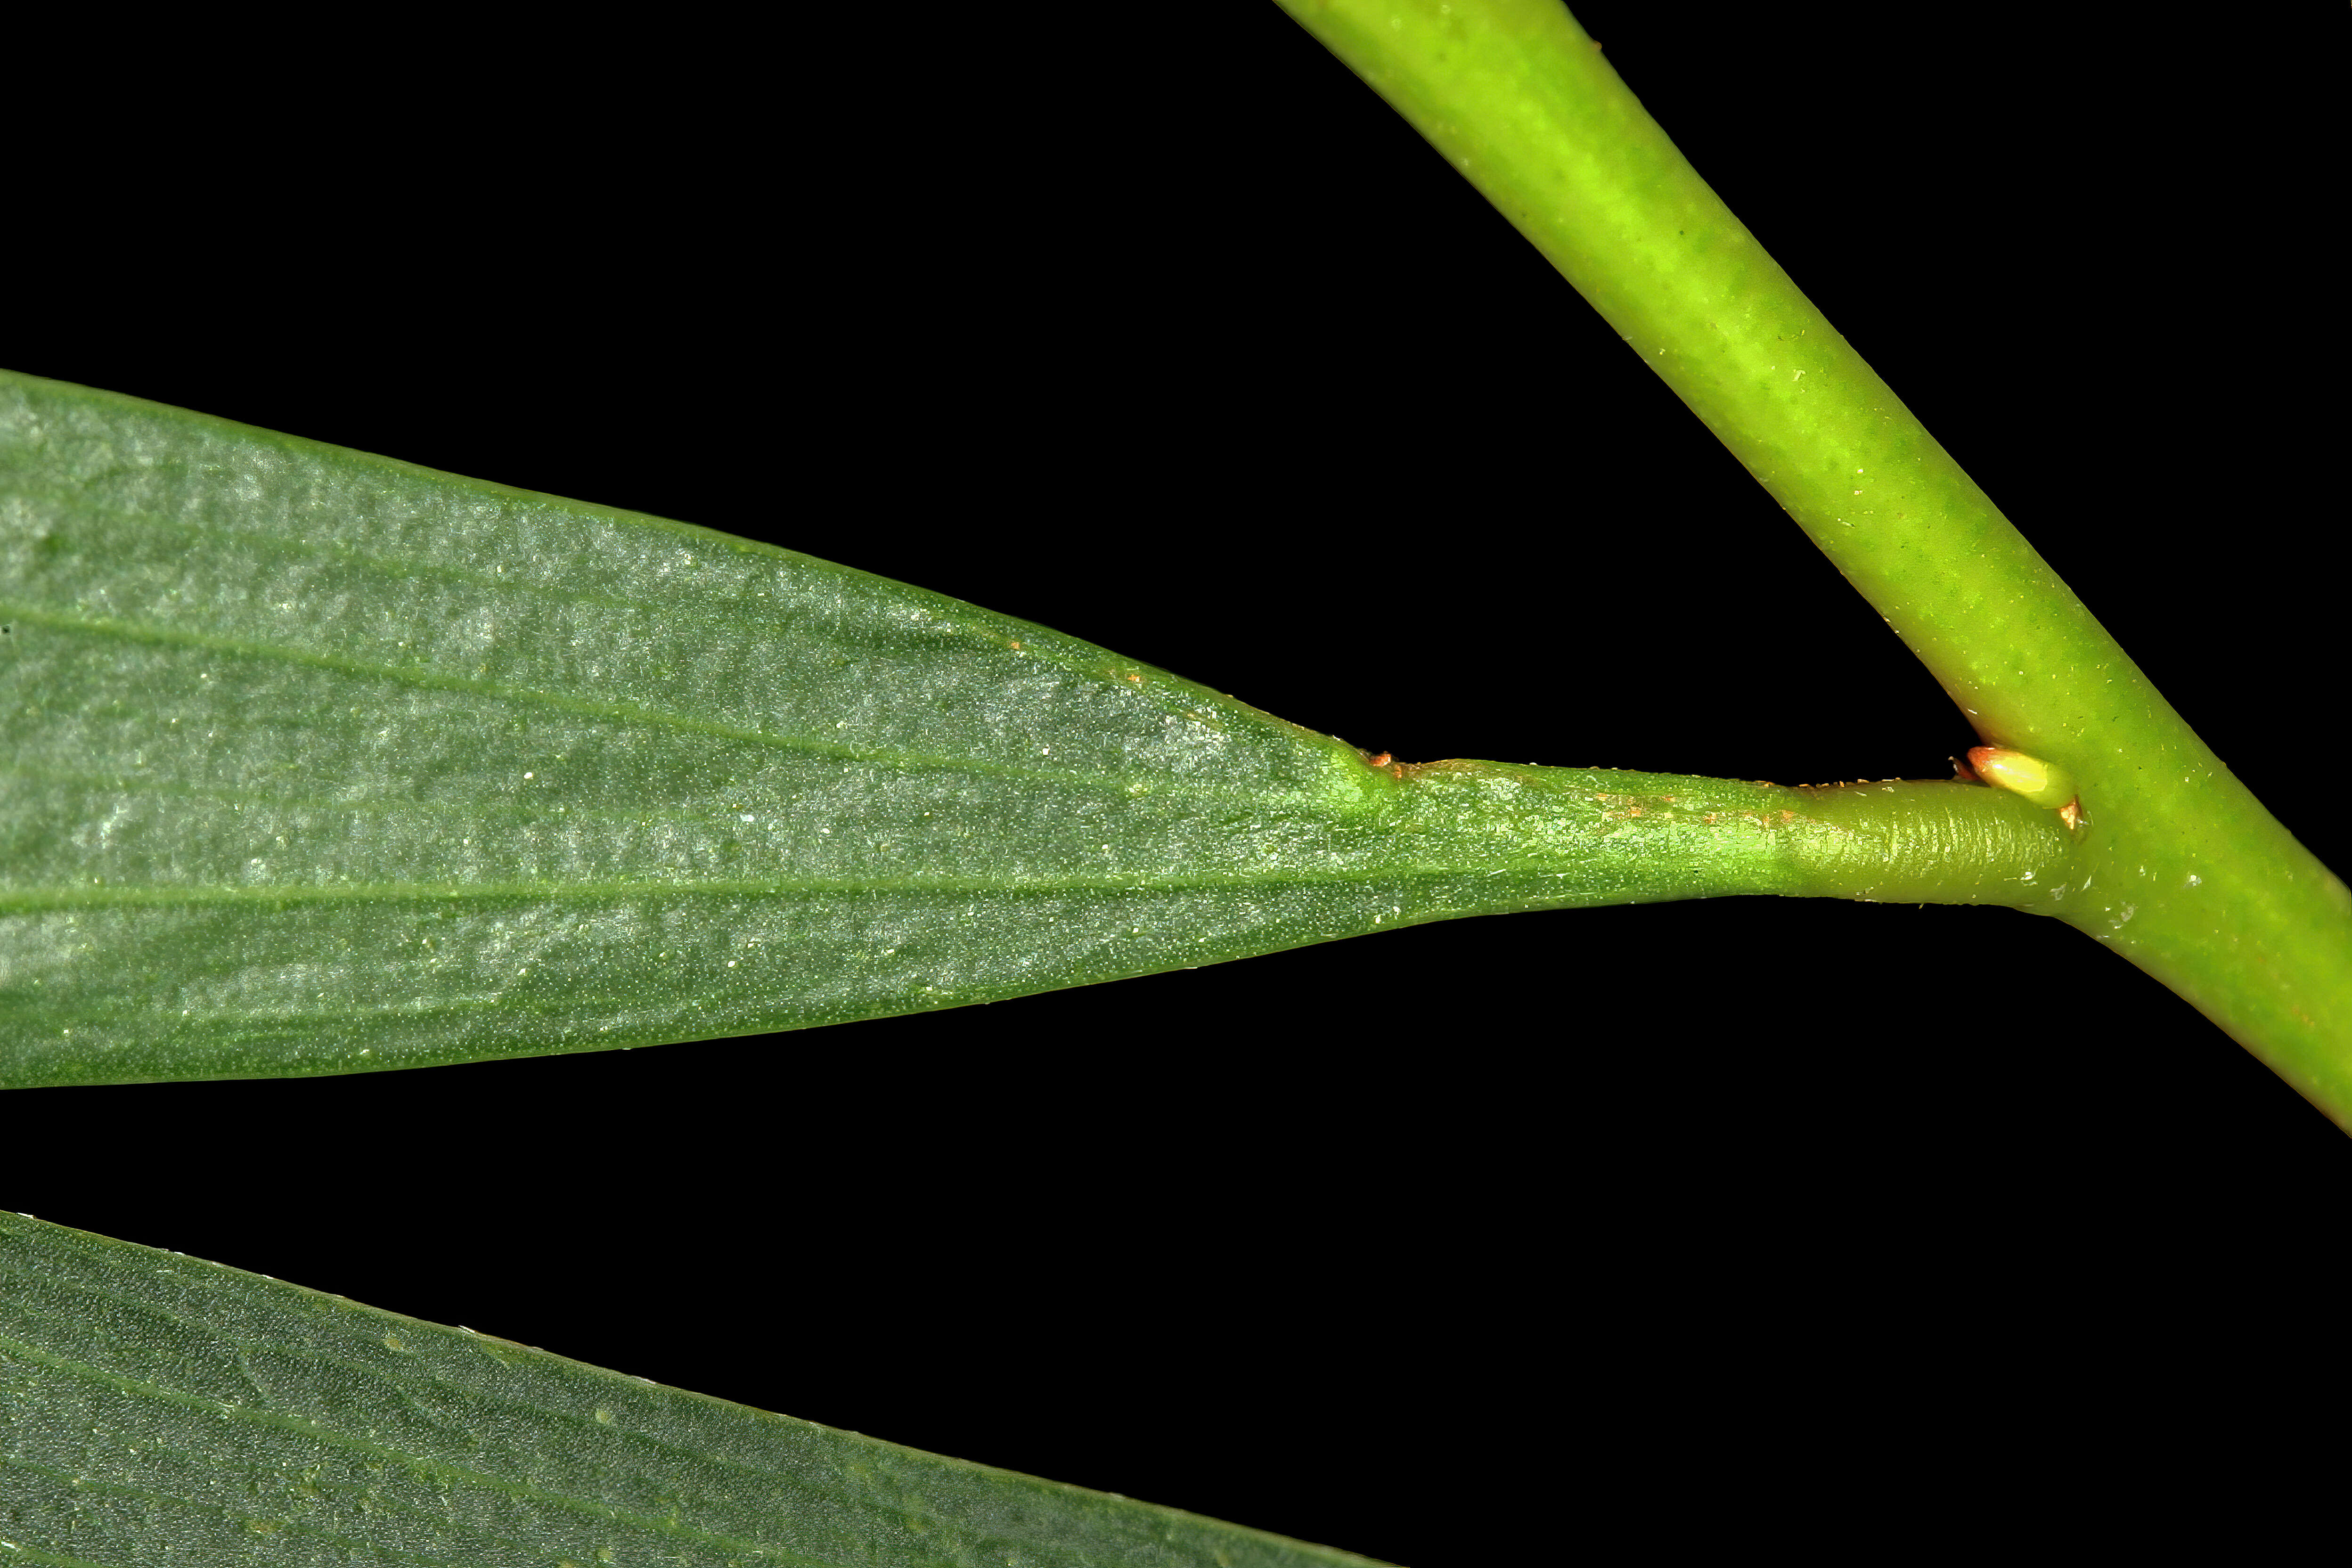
2186, 874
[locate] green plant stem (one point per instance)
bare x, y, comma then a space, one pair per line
2187, 876
1550, 837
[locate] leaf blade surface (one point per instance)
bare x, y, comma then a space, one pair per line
318, 761
151, 1402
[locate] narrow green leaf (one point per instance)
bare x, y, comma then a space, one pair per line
147, 1397
322, 762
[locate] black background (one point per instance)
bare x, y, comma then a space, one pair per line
1170, 336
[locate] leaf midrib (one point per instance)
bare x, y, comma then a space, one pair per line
48, 900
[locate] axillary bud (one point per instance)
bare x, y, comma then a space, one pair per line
2042, 783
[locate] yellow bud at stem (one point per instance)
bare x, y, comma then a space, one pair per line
2042, 783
